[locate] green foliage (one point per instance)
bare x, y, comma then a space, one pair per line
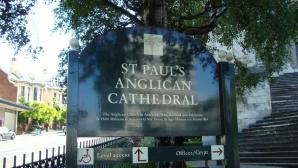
13, 25
265, 27
13, 21
148, 142
245, 79
194, 141
61, 113
22, 118
87, 18
23, 101
61, 78
41, 113
61, 117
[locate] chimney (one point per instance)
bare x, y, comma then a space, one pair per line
13, 66
44, 75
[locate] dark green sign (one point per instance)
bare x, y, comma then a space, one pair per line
147, 82
183, 153
180, 153
113, 155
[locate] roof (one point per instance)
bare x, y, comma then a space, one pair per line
29, 76
12, 105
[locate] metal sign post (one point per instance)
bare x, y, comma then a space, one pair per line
229, 112
72, 109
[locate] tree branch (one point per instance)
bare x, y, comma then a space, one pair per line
207, 27
200, 30
122, 11
7, 6
136, 9
126, 24
191, 17
221, 13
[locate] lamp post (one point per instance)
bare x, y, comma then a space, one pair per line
72, 103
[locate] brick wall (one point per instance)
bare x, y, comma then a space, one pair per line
7, 90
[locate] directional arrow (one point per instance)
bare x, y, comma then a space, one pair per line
219, 151
139, 152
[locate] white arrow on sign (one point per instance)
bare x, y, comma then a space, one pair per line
140, 155
217, 152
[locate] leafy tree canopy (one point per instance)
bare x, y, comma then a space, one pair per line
41, 112
13, 25
13, 21
264, 27
61, 115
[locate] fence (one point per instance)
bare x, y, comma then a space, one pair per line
50, 160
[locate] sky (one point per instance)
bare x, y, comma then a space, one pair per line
40, 23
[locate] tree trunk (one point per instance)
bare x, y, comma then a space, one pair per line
155, 15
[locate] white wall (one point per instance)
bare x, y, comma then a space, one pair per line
10, 120
293, 58
255, 105
2, 116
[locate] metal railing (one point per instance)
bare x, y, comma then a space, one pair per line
51, 160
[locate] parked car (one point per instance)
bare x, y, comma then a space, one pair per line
6, 133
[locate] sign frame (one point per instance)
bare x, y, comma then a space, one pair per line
227, 109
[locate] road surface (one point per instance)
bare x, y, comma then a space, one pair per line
28, 143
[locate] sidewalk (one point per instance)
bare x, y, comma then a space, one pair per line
43, 132
212, 164
256, 166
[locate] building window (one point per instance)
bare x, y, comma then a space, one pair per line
35, 93
55, 96
1, 122
58, 99
64, 100
40, 94
28, 95
22, 91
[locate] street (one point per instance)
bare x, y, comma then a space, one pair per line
28, 143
